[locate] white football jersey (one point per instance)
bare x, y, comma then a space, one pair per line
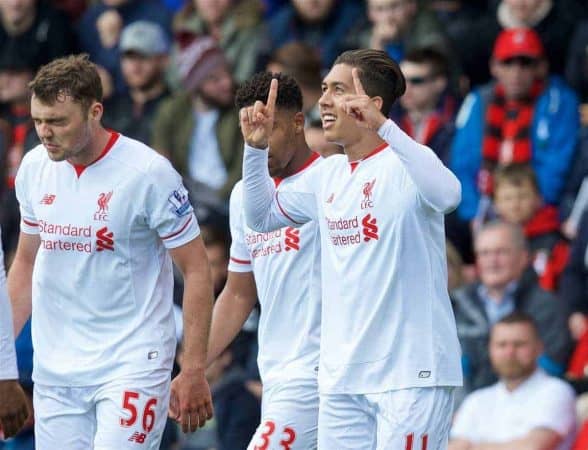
286, 267
8, 370
387, 321
102, 280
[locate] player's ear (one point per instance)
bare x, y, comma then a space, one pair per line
95, 111
378, 101
299, 122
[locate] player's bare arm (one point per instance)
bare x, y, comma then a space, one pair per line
257, 121
190, 402
20, 279
365, 109
14, 408
231, 309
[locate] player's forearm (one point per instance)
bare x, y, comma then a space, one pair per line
258, 191
8, 369
228, 316
20, 292
435, 182
197, 311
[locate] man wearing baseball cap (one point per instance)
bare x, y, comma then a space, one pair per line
144, 49
522, 116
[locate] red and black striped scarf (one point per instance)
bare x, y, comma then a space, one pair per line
507, 136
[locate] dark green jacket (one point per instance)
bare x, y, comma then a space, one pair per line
172, 133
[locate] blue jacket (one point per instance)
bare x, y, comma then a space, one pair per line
555, 129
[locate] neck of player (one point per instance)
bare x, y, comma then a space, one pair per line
301, 156
366, 142
96, 145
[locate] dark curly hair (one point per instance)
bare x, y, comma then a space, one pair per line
257, 88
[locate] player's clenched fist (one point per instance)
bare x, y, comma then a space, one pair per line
14, 409
365, 109
257, 121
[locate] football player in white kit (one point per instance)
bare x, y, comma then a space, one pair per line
100, 216
389, 357
14, 410
282, 269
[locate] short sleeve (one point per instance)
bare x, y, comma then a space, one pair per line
28, 221
240, 258
463, 423
168, 208
554, 409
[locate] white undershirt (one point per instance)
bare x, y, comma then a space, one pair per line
205, 163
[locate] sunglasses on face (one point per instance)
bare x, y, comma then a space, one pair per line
419, 81
522, 61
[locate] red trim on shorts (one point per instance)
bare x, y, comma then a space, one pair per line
79, 168
179, 231
30, 224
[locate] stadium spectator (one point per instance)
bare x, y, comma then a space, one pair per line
455, 276
100, 27
302, 62
399, 26
322, 24
577, 67
235, 24
548, 18
427, 109
144, 49
526, 408
521, 117
517, 200
506, 284
198, 129
35, 30
17, 134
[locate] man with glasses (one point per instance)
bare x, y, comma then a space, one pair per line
427, 111
522, 116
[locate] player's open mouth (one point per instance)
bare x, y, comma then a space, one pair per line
328, 120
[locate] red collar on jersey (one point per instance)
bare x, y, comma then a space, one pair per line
312, 158
113, 138
378, 149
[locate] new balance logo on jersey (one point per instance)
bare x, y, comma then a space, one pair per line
104, 240
370, 229
47, 199
292, 241
331, 197
137, 437
102, 211
367, 190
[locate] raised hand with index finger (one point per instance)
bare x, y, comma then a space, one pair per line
363, 108
257, 121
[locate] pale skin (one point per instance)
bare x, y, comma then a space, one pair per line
69, 133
